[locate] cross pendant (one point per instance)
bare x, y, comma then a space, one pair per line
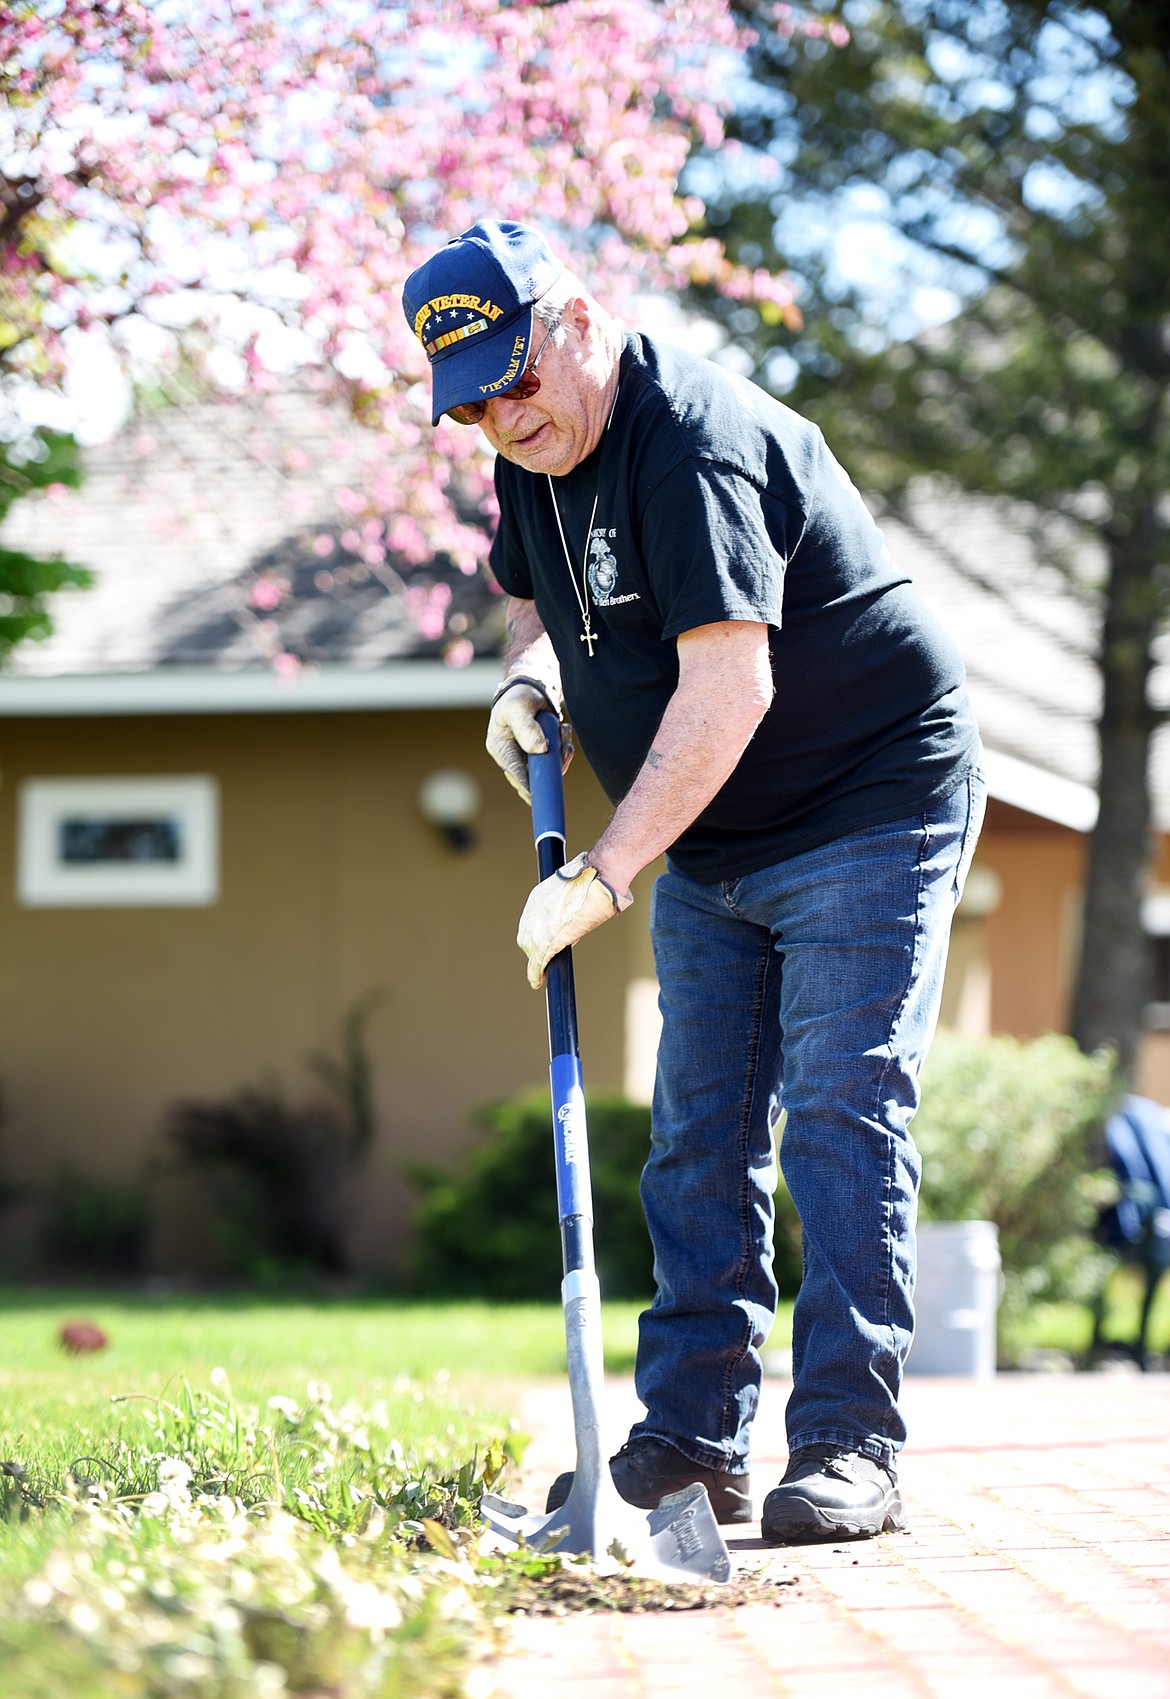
590, 638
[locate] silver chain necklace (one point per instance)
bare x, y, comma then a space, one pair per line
588, 636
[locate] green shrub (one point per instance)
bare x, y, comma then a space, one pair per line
94, 1225
1010, 1132
490, 1228
279, 1176
788, 1262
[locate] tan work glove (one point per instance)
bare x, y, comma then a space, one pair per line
563, 908
513, 734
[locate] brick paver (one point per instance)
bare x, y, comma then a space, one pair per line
1036, 1564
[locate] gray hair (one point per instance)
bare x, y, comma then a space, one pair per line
555, 299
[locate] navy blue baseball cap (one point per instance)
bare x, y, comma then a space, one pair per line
470, 305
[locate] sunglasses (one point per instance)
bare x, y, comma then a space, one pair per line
525, 387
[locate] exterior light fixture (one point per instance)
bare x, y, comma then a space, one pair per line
449, 800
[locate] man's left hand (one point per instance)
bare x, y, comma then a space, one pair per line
562, 909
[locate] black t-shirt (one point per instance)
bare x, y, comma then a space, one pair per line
715, 502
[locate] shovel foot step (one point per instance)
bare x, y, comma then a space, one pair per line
679, 1541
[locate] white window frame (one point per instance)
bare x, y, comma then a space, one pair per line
44, 880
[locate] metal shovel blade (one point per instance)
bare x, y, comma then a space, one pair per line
679, 1541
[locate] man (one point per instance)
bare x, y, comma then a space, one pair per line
763, 698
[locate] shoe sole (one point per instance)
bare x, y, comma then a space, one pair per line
801, 1523
729, 1508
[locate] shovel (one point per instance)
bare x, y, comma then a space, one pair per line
680, 1539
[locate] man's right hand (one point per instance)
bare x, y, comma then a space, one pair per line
513, 733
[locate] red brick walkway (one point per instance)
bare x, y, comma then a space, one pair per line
1036, 1564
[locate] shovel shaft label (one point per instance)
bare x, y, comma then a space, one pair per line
574, 1196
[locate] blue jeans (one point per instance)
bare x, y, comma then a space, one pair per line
811, 987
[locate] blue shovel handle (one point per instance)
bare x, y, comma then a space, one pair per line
570, 1136
548, 797
548, 831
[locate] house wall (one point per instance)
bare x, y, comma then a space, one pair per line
1012, 971
331, 884
1031, 937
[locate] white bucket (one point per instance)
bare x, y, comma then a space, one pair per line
955, 1299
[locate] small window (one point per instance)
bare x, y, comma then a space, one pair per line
1156, 920
111, 843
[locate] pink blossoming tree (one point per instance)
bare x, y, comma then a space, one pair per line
251, 181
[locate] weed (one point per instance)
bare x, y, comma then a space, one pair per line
207, 1550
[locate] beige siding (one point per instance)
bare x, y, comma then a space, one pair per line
331, 884
1031, 937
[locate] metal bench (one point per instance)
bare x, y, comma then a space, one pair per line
1137, 1226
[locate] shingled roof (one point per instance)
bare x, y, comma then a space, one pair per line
179, 515
178, 535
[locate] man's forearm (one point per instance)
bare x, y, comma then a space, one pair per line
724, 691
528, 650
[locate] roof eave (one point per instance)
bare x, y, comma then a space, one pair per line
204, 690
1038, 791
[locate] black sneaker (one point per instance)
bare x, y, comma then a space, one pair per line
646, 1469
831, 1493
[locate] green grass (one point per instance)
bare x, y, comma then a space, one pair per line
1069, 1327
468, 1360
191, 1505
196, 1542
119, 1581
447, 1378
285, 1514
361, 1348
